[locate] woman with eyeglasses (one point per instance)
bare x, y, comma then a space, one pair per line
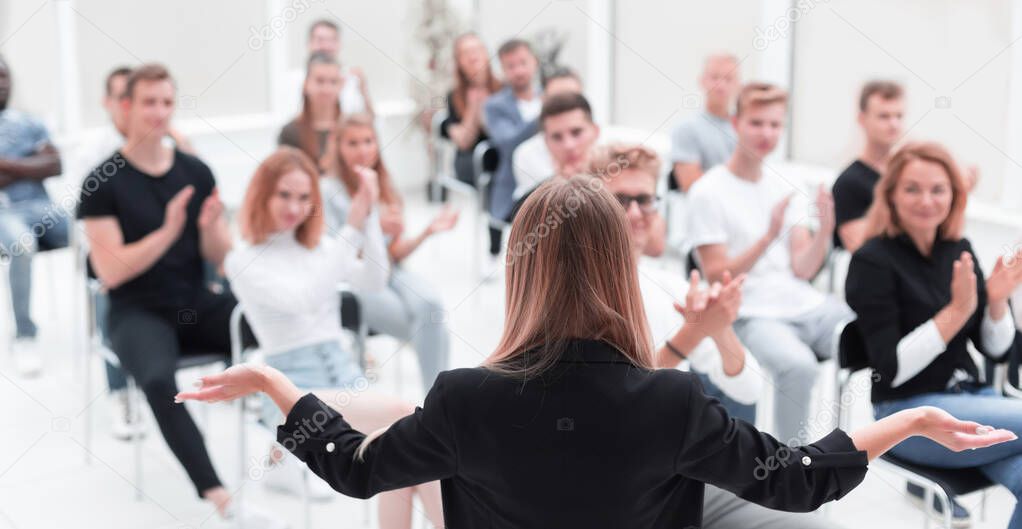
568, 423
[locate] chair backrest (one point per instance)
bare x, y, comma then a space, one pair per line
351, 311
851, 352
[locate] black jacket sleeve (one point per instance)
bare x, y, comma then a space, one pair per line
415, 449
735, 456
871, 292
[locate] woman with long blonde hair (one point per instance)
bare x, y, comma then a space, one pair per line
567, 423
408, 307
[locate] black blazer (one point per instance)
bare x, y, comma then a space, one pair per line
595, 442
893, 289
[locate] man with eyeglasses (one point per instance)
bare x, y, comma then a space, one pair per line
697, 328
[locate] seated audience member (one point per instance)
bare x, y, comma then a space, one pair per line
325, 37
29, 221
310, 130
707, 138
710, 345
568, 134
473, 83
532, 163
408, 308
286, 276
744, 219
151, 226
511, 116
630, 173
921, 299
93, 151
567, 423
881, 116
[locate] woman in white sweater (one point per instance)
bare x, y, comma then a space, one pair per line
286, 275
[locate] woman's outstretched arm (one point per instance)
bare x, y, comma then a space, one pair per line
735, 456
416, 449
930, 422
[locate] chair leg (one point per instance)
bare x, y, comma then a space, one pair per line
87, 425
136, 437
242, 471
983, 506
945, 504
306, 503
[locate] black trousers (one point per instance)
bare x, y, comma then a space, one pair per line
149, 341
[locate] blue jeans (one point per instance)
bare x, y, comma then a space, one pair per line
323, 365
408, 309
1001, 463
791, 350
25, 227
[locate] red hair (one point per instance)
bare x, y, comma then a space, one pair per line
254, 217
886, 217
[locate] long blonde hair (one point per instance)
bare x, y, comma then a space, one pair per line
336, 165
570, 275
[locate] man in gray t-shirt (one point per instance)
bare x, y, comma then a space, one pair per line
707, 138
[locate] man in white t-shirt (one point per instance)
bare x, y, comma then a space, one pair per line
744, 218
700, 332
532, 162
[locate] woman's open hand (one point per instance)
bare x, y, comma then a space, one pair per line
957, 435
234, 382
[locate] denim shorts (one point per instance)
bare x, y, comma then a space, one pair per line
324, 365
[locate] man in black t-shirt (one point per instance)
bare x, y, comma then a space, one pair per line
153, 218
881, 115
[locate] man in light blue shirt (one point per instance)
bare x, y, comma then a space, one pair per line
29, 221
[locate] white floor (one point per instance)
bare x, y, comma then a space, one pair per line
46, 480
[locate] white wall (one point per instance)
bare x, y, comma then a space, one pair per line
660, 47
952, 48
936, 49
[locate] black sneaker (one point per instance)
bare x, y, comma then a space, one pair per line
960, 517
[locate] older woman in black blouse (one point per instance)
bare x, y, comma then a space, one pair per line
567, 423
921, 298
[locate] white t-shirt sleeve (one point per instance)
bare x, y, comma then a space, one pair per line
706, 220
916, 350
998, 335
745, 387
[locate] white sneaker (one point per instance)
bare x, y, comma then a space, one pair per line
125, 422
253, 517
26, 357
291, 476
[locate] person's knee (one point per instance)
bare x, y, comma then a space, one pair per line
799, 372
158, 386
430, 311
